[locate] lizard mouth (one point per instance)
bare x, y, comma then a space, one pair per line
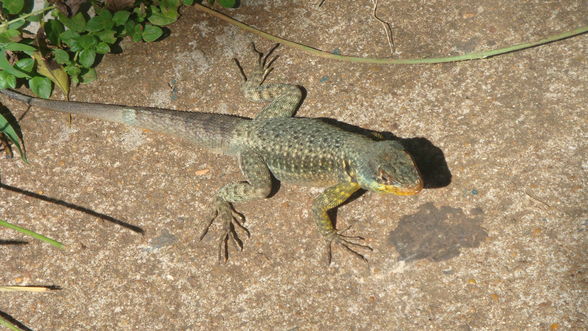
406, 190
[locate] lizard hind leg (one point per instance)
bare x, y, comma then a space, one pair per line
231, 221
283, 98
257, 186
262, 70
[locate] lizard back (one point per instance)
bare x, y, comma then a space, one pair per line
301, 150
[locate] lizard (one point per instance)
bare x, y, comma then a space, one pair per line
298, 150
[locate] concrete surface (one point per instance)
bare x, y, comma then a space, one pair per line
497, 241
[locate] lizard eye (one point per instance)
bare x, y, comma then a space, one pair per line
384, 177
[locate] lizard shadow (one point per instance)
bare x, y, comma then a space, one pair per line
70, 205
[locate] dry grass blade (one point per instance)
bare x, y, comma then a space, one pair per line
25, 289
387, 27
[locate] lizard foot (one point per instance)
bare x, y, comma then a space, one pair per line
264, 67
231, 221
349, 243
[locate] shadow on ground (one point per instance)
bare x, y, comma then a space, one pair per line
437, 234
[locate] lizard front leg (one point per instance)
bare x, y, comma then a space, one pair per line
284, 98
329, 199
257, 186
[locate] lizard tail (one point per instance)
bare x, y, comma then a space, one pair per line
15, 95
213, 131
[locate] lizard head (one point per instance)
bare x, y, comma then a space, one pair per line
386, 167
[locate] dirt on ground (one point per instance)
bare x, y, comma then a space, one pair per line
496, 241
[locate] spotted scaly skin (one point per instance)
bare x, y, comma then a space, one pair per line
308, 151
303, 151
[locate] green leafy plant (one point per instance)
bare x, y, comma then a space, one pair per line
7, 131
73, 34
4, 322
72, 37
8, 325
27, 232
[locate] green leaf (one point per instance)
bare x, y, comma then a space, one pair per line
69, 35
137, 33
140, 12
34, 18
18, 47
151, 33
87, 57
171, 13
77, 23
60, 56
9, 36
53, 71
169, 8
129, 28
7, 80
121, 17
13, 6
100, 22
106, 36
74, 46
4, 65
53, 29
17, 24
26, 64
170, 3
41, 86
71, 39
73, 70
95, 24
227, 3
87, 41
102, 48
10, 133
188, 2
89, 76
104, 12
158, 18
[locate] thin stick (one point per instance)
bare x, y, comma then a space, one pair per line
20, 18
319, 53
25, 289
387, 27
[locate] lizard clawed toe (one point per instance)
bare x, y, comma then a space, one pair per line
231, 221
241, 71
348, 243
261, 58
264, 66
